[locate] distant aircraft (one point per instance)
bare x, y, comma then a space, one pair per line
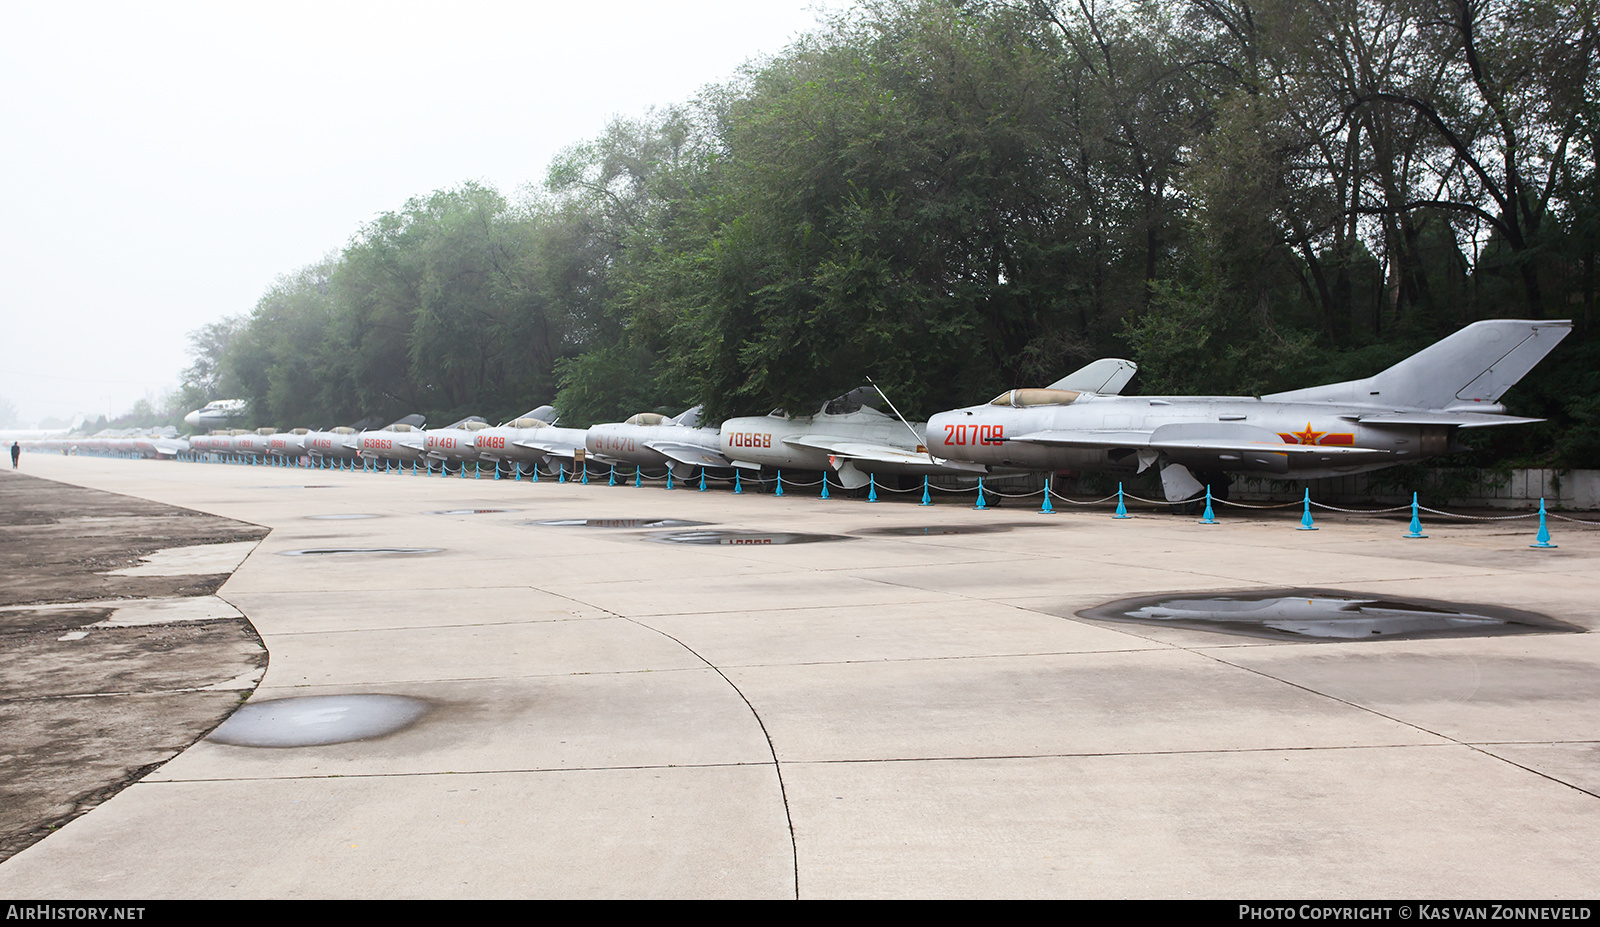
216, 414
853, 439
401, 441
455, 443
650, 439
534, 438
502, 443
289, 444
335, 443
1406, 413
256, 443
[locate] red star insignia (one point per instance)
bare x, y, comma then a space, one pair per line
1308, 436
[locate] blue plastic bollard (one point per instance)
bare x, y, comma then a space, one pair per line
586, 473
1122, 510
780, 484
1208, 518
926, 499
738, 488
638, 476
1416, 522
981, 504
1543, 538
613, 480
561, 473
1305, 519
702, 480
1046, 509
824, 484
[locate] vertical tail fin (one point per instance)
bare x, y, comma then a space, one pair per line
1108, 376
1475, 365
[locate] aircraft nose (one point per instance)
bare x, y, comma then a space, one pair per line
193, 418
936, 434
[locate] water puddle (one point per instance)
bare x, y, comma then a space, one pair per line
1320, 614
917, 531
315, 720
615, 523
312, 551
340, 517
184, 561
469, 511
720, 536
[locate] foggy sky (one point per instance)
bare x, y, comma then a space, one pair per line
163, 163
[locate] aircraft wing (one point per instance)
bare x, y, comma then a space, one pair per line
1085, 439
1224, 438
1459, 419
545, 448
565, 451
691, 454
879, 453
1274, 447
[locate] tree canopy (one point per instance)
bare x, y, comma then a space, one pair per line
956, 198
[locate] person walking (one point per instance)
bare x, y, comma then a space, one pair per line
16, 451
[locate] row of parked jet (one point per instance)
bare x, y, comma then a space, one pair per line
1082, 422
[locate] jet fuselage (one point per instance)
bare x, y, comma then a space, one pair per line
649, 440
1129, 431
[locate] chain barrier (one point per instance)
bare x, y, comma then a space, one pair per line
1335, 508
1048, 491
1070, 501
1246, 505
1423, 508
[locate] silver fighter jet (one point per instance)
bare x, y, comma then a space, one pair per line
851, 438
650, 439
1403, 414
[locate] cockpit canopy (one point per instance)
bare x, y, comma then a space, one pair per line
1020, 398
648, 418
475, 426
530, 423
853, 401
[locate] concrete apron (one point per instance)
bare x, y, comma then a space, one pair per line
882, 716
